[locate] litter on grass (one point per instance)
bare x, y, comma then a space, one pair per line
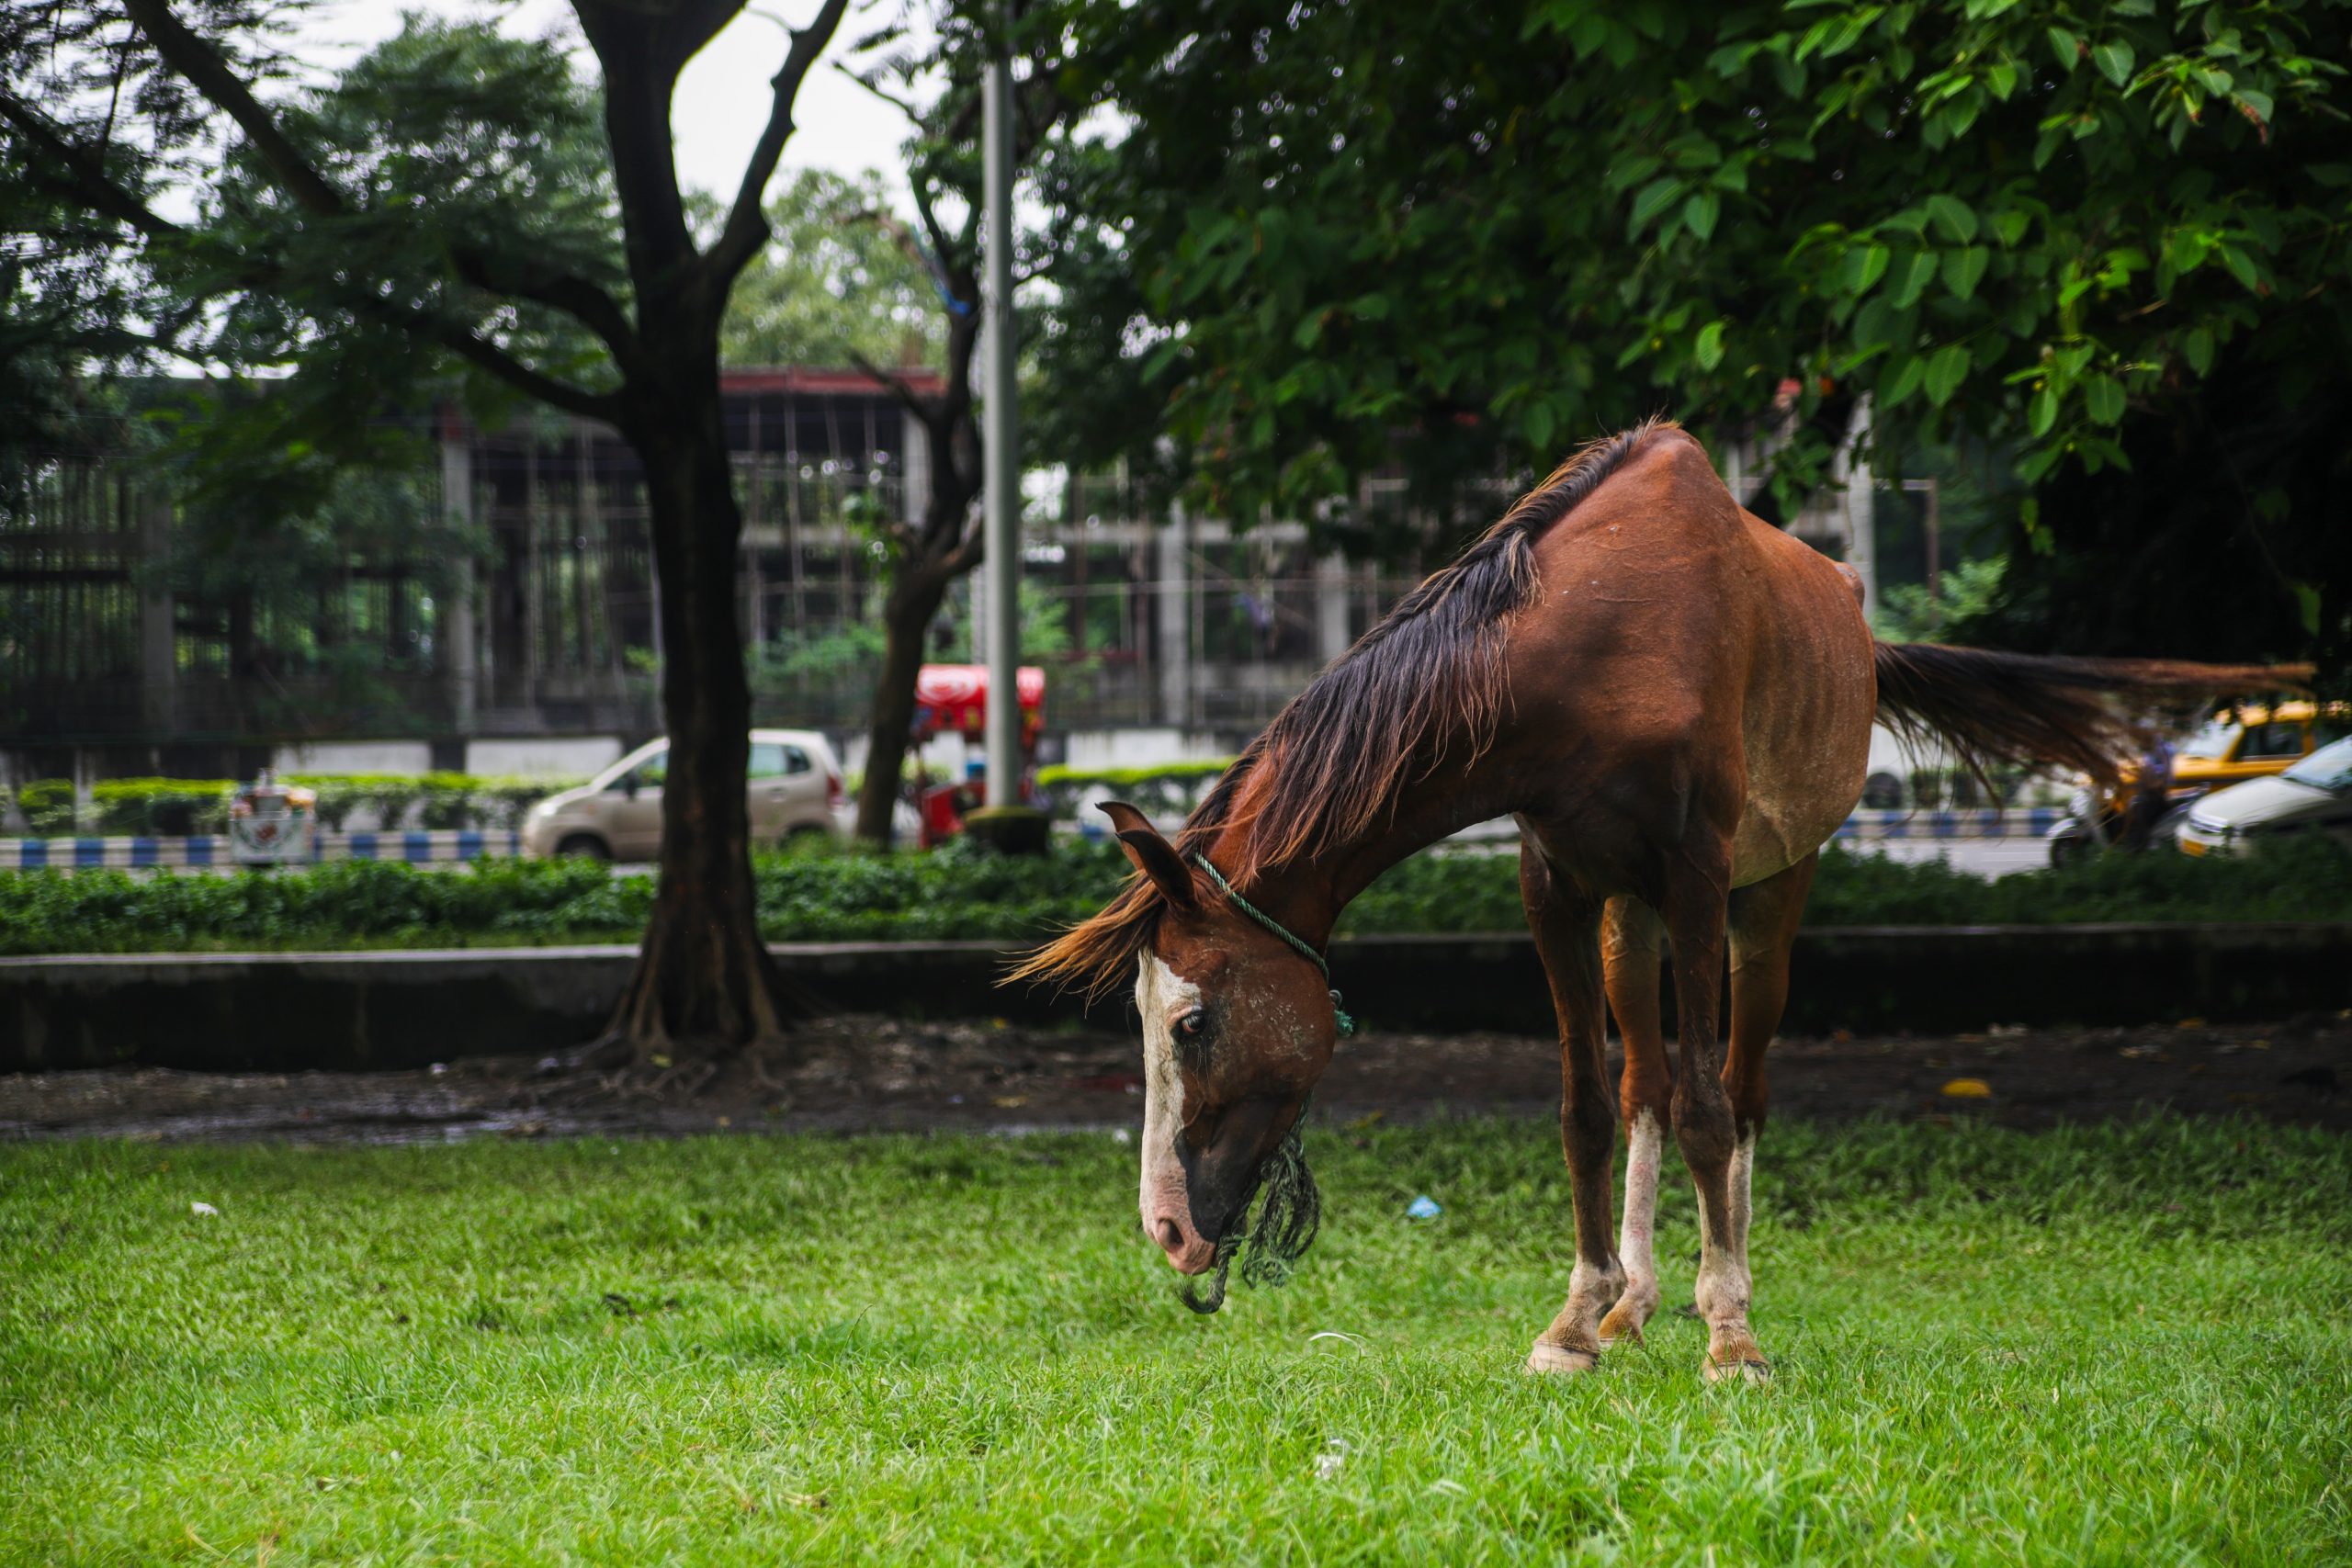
1327, 1462
204, 1209
1423, 1207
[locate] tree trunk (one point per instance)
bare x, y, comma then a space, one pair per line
705, 983
907, 616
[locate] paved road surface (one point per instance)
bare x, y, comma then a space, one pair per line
1985, 857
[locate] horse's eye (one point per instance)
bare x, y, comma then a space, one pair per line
1191, 1024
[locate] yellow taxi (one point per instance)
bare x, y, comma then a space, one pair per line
2251, 742
2244, 742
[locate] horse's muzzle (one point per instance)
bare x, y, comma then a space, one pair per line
1221, 1175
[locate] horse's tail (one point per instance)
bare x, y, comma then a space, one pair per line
1992, 707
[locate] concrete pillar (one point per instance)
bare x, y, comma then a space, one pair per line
1174, 592
1331, 638
1857, 503
158, 636
914, 471
13, 777
459, 642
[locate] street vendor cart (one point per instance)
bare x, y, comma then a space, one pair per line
952, 699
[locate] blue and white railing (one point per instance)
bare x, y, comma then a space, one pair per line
435, 846
2014, 823
1986, 822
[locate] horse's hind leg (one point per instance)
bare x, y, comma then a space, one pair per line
1566, 923
1695, 907
1761, 929
1720, 1129
1631, 943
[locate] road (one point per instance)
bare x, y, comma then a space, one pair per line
1985, 857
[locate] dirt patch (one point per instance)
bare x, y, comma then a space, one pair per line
862, 1073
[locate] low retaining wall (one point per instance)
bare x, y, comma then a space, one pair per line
350, 1010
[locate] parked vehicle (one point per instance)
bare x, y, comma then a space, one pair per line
794, 791
2314, 795
273, 824
2249, 741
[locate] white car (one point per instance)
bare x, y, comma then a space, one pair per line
2313, 796
794, 791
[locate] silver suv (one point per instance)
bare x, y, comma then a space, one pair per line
794, 791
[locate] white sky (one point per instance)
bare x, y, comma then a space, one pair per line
723, 98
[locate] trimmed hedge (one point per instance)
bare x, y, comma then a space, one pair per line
201, 806
1168, 789
965, 892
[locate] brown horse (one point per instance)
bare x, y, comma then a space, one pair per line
1675, 699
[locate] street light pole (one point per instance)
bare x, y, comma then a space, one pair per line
1002, 493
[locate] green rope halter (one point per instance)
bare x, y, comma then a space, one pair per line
1347, 1025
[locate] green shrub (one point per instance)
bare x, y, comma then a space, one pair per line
48, 806
963, 892
1058, 774
337, 797
1473, 891
151, 807
1167, 789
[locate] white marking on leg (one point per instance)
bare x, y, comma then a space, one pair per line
1722, 1295
1162, 996
1644, 1146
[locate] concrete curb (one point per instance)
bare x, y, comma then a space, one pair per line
356, 1011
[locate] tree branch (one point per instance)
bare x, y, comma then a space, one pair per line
892, 225
89, 183
210, 74
91, 186
747, 222
968, 553
203, 67
920, 404
914, 116
569, 292
477, 350
941, 246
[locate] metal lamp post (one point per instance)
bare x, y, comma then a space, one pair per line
1004, 821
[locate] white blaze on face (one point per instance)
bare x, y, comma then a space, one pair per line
1162, 997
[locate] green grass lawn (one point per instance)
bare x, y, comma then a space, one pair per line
2121, 1345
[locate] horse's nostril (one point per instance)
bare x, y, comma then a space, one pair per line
1169, 1233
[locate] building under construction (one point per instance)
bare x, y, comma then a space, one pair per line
517, 597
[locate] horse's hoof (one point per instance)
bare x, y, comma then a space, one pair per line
1744, 1369
1559, 1359
1615, 1330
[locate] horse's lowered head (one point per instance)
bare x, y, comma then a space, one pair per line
1238, 1027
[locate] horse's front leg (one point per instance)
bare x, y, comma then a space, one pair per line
1567, 924
1632, 944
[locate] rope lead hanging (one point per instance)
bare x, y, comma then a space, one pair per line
1347, 1025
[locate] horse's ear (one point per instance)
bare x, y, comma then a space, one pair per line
1153, 855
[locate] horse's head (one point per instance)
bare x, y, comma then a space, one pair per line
1238, 1026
